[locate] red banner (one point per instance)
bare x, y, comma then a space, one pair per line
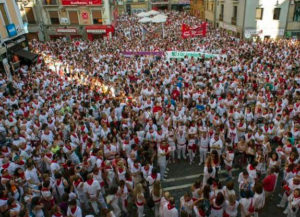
81, 2
188, 32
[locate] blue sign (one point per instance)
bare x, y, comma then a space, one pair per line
11, 30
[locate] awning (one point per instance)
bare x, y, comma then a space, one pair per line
26, 55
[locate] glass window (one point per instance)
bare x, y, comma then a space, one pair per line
97, 17
276, 14
54, 17
4, 14
73, 16
259, 13
30, 15
296, 17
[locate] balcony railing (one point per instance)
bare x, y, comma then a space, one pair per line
50, 2
233, 20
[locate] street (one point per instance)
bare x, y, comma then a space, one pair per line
182, 175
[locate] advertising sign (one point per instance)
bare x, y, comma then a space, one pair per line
81, 2
11, 30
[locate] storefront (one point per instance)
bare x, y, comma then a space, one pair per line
263, 33
70, 33
99, 31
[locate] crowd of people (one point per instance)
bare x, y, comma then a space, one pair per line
87, 130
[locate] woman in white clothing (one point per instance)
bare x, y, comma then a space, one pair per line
231, 206
247, 205
156, 195
294, 203
139, 199
259, 198
163, 202
217, 206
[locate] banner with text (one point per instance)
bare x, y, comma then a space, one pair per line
189, 32
81, 2
190, 54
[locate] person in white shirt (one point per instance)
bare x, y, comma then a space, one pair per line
216, 144
162, 152
293, 203
181, 144
73, 209
247, 205
92, 189
203, 147
169, 209
259, 198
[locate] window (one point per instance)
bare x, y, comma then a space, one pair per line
276, 14
296, 17
73, 17
235, 11
4, 14
97, 17
259, 13
54, 17
30, 15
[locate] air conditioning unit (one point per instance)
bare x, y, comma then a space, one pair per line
64, 20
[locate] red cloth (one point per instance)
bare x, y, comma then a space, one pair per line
156, 109
269, 182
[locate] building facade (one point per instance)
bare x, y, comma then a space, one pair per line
12, 34
249, 18
293, 20
197, 9
88, 19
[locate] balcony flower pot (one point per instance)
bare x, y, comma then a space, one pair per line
48, 2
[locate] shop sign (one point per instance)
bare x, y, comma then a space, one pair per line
96, 31
11, 30
66, 30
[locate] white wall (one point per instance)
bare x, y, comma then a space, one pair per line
267, 26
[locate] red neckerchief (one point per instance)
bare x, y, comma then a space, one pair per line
90, 181
121, 170
69, 147
58, 182
5, 166
170, 206
296, 197
3, 198
251, 167
77, 182
154, 176
45, 189
73, 210
58, 214
164, 148
266, 128
136, 166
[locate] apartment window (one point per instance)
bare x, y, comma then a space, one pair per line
235, 11
97, 17
4, 14
222, 10
30, 15
276, 14
259, 13
54, 17
73, 17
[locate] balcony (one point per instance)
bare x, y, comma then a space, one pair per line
159, 1
221, 17
50, 2
233, 20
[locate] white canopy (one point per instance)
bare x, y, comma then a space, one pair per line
142, 14
145, 20
152, 12
160, 18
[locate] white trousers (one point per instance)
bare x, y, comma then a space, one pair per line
181, 149
203, 153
